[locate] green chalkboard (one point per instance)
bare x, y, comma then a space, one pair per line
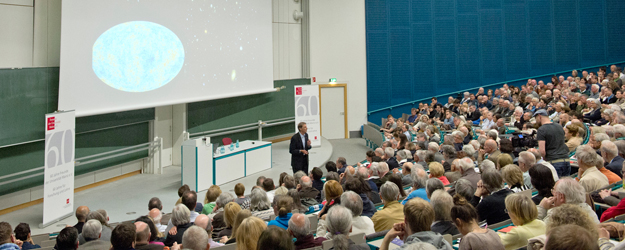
26, 95
223, 113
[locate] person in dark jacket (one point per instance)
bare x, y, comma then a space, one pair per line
300, 144
123, 236
307, 193
492, 193
316, 174
612, 161
180, 217
595, 114
361, 187
22, 232
442, 203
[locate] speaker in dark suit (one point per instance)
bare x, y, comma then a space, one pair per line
300, 144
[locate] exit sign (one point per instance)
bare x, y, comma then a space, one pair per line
332, 79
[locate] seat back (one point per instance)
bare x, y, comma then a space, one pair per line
314, 221
226, 141
448, 238
48, 243
527, 193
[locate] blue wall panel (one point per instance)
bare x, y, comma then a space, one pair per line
423, 48
592, 32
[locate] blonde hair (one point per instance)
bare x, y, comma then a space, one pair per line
281, 191
504, 160
512, 175
212, 193
244, 214
572, 214
230, 212
249, 232
436, 169
522, 207
332, 189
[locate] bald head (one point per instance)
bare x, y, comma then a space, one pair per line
143, 232
299, 226
81, 213
351, 170
537, 155
306, 182
155, 214
490, 146
202, 221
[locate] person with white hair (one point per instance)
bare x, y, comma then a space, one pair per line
179, 218
392, 212
566, 191
609, 152
381, 172
594, 113
389, 154
591, 179
467, 170
467, 151
420, 157
526, 161
339, 224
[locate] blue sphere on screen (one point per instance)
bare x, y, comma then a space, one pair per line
137, 56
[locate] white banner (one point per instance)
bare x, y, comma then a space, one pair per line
58, 188
307, 110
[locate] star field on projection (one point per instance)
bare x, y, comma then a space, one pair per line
200, 45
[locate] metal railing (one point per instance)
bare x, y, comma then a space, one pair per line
389, 108
245, 127
150, 146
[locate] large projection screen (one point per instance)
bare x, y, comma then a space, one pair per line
121, 55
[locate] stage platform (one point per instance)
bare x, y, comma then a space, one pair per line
128, 198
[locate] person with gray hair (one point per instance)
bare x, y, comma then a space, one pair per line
442, 203
339, 224
218, 212
526, 161
621, 147
389, 154
382, 170
91, 232
420, 157
490, 198
566, 191
419, 183
609, 152
432, 185
106, 231
487, 165
195, 238
402, 157
467, 151
180, 217
360, 224
464, 188
299, 228
591, 179
434, 148
260, 205
392, 212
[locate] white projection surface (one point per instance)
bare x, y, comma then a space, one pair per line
121, 55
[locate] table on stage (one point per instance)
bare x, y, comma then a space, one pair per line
202, 166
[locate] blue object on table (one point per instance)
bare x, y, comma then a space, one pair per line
237, 143
231, 147
223, 149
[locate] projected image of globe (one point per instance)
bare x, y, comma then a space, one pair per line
137, 56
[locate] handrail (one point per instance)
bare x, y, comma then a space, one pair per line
137, 148
242, 128
485, 86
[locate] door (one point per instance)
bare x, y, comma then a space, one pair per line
333, 111
163, 123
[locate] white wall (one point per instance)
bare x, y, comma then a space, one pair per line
16, 33
287, 41
338, 50
47, 34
